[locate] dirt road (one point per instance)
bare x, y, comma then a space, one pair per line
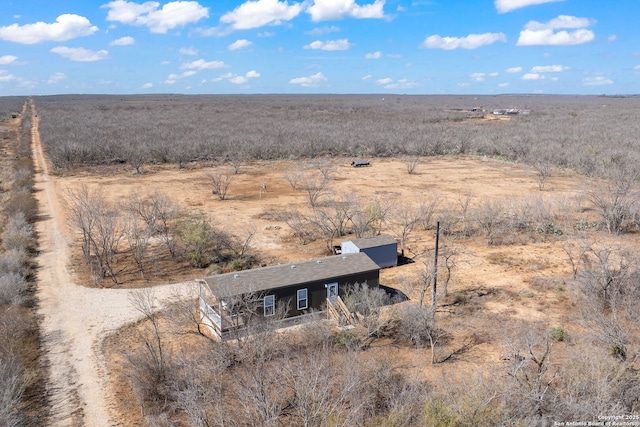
75, 319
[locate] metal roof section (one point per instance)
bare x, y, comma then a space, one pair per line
291, 274
372, 242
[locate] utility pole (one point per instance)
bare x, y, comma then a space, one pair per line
435, 269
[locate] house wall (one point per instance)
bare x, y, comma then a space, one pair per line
384, 256
317, 292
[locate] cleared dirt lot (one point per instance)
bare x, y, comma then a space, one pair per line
522, 281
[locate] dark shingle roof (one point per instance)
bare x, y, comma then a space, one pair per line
372, 242
284, 275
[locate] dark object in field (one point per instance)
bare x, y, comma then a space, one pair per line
360, 163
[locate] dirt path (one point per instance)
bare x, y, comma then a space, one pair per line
75, 319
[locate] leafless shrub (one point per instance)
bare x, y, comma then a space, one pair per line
21, 203
417, 324
411, 163
489, 218
402, 220
101, 228
531, 372
333, 218
220, 181
12, 387
613, 202
428, 205
544, 170
18, 234
576, 250
14, 261
12, 289
367, 303
300, 224
150, 368
316, 185
293, 175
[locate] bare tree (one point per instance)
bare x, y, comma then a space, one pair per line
614, 200
316, 186
101, 229
428, 207
221, 181
576, 250
544, 170
402, 221
530, 370
138, 236
293, 175
150, 369
333, 218
300, 224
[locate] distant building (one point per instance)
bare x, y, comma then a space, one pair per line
383, 249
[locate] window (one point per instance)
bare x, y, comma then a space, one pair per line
269, 305
303, 302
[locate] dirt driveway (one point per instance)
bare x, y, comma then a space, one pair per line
75, 319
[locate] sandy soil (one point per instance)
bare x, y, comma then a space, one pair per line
75, 319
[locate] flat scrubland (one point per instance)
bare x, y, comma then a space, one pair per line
22, 381
536, 316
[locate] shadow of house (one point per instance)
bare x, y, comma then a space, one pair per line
233, 301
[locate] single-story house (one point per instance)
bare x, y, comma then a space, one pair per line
230, 301
382, 249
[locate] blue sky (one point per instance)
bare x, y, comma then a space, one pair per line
320, 46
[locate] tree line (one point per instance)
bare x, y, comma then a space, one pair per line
591, 135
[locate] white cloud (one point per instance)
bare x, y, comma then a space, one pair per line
201, 64
5, 76
312, 81
389, 83
238, 80
478, 77
323, 30
549, 69
504, 6
514, 70
56, 78
636, 68
240, 44
66, 27
258, 13
341, 44
367, 77
596, 81
472, 41
188, 51
503, 84
8, 59
146, 86
544, 34
123, 41
533, 76
324, 10
373, 55
80, 54
612, 38
171, 15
